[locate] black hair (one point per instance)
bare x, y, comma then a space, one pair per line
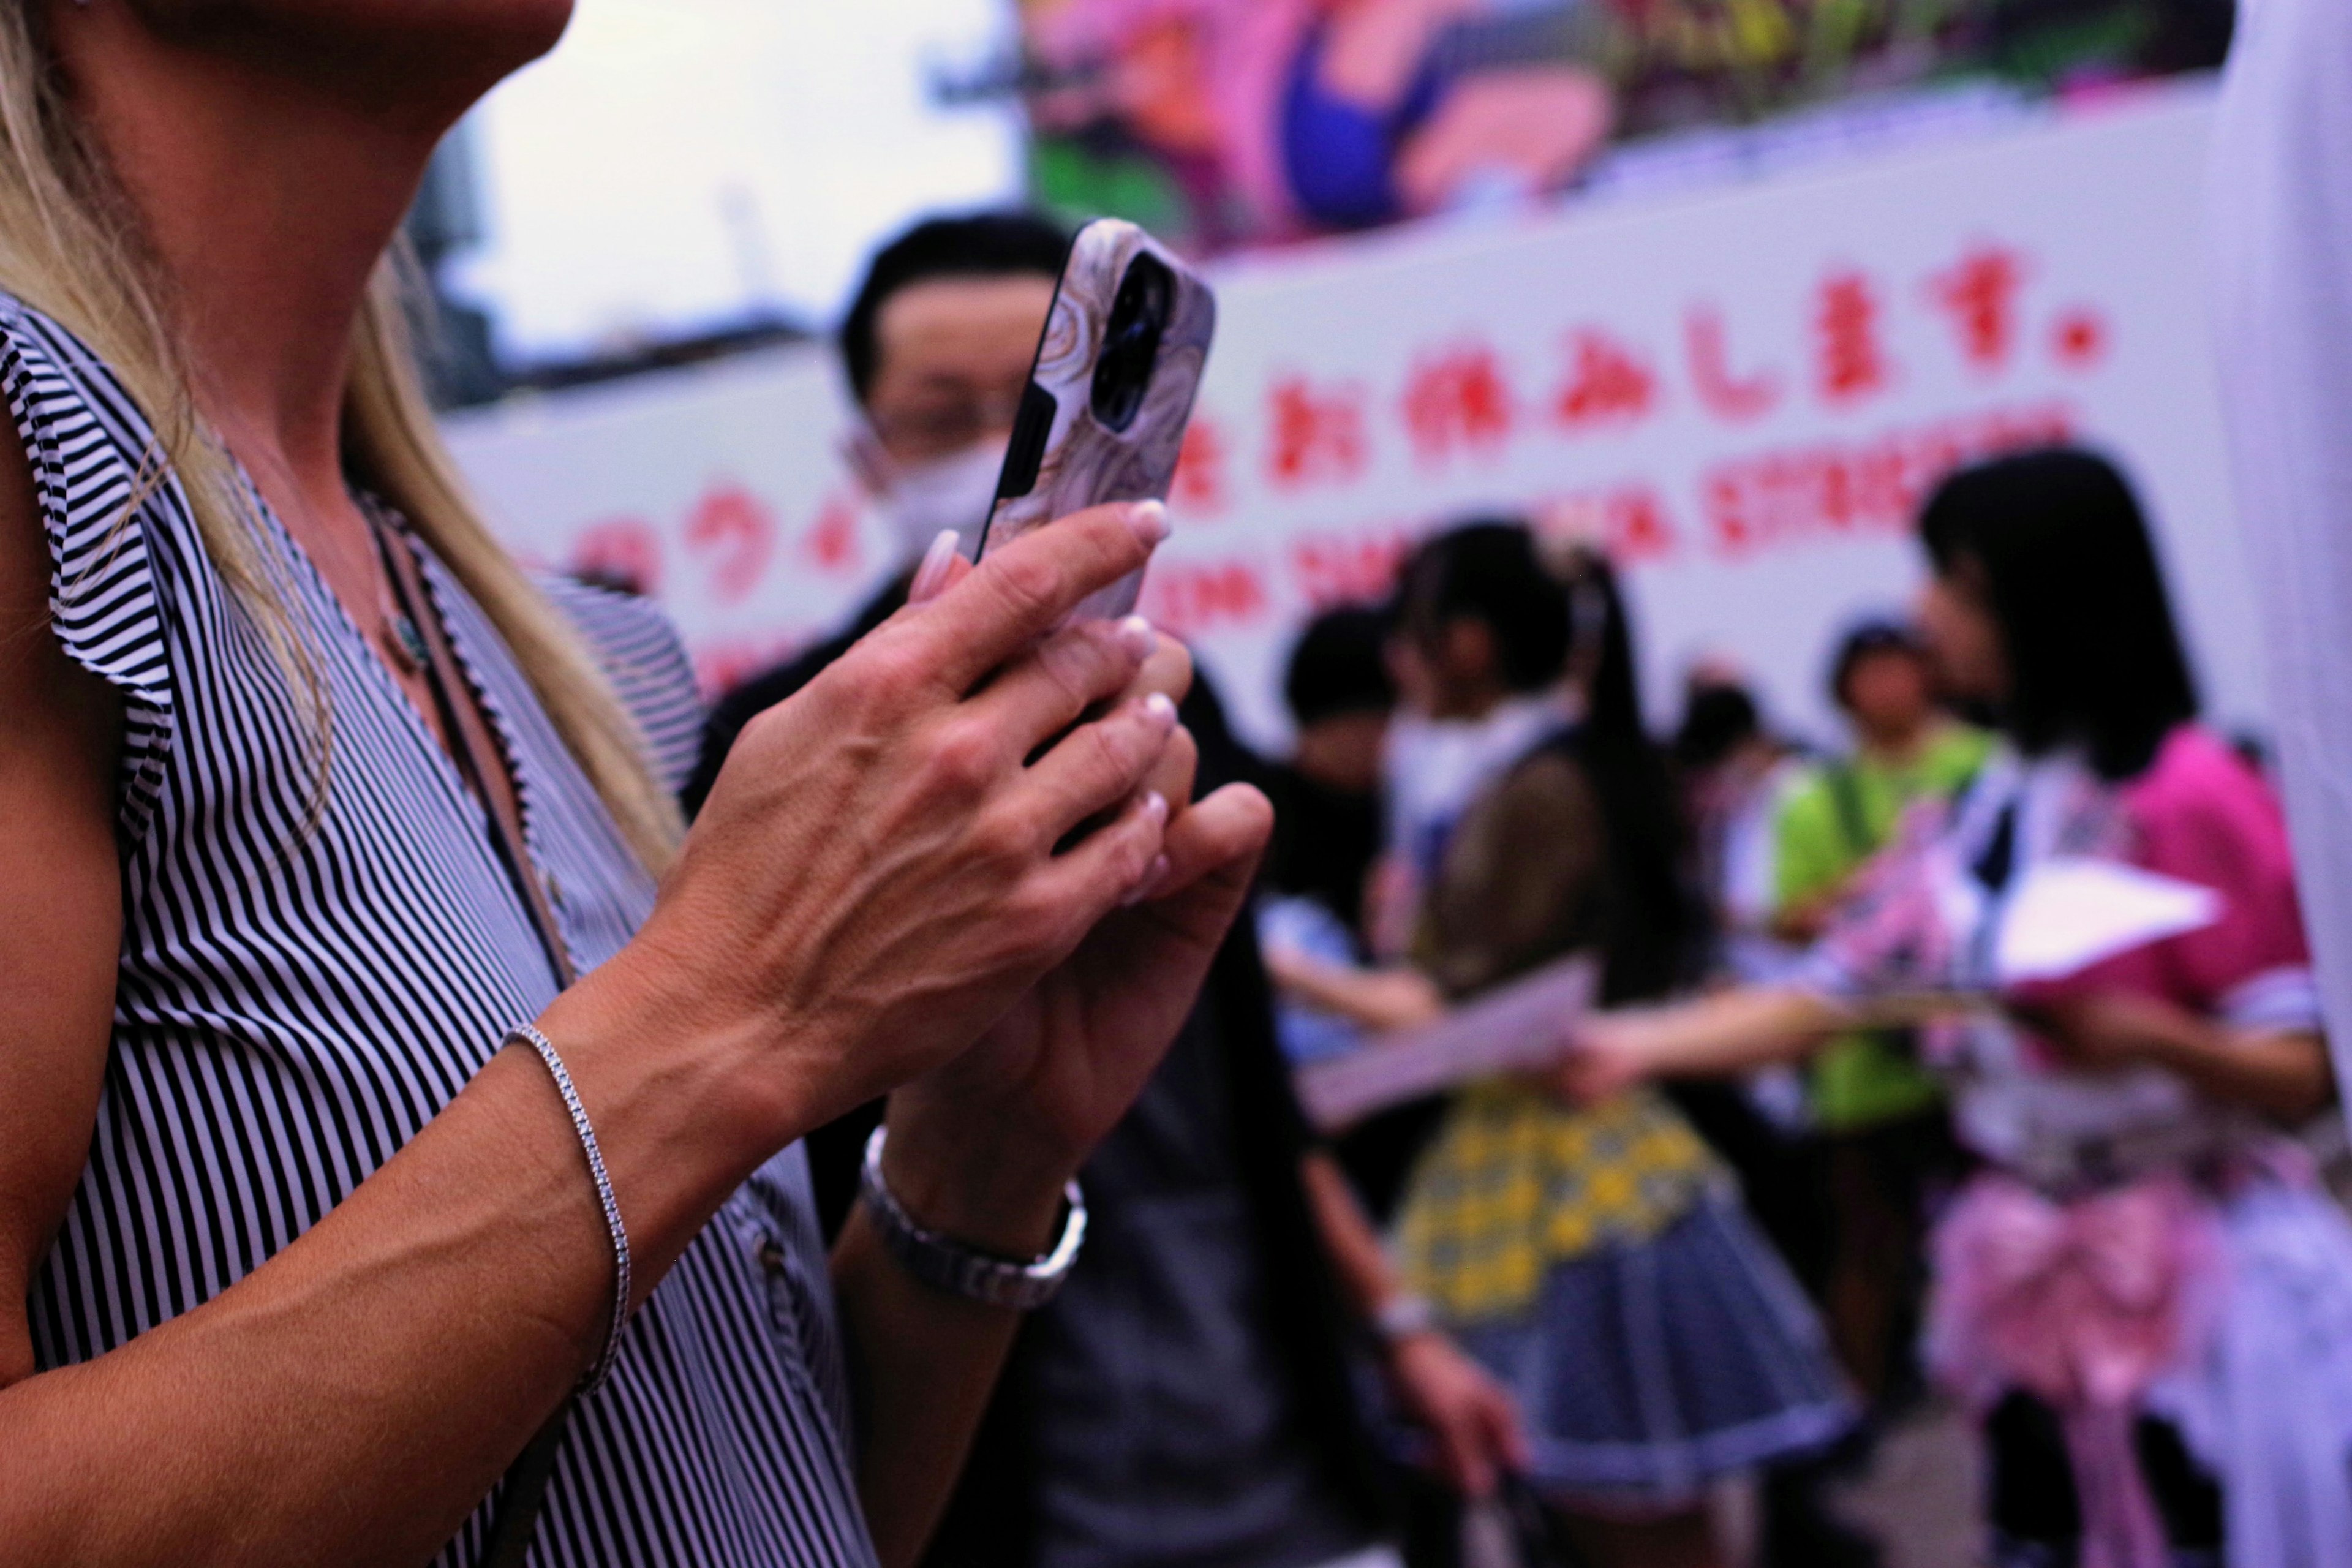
2071, 578
970, 245
1488, 571
1869, 639
1341, 666
1656, 930
1718, 718
1543, 623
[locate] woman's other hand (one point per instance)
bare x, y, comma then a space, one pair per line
981, 1146
1603, 1058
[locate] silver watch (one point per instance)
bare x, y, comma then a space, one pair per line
949, 1266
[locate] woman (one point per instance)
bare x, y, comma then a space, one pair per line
1596, 1261
2144, 1292
309, 800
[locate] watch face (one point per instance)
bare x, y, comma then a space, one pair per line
946, 1264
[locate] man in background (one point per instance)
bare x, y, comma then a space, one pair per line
1187, 1401
936, 348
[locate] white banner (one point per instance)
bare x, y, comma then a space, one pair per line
1745, 392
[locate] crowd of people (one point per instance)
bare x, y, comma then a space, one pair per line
2075, 1202
1772, 1200
461, 1104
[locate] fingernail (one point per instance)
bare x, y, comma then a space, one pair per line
1162, 709
1153, 876
931, 575
1136, 636
1149, 520
1155, 807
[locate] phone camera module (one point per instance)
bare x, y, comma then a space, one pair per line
1139, 319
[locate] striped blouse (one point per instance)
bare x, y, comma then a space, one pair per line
306, 978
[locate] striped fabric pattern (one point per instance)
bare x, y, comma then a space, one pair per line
308, 975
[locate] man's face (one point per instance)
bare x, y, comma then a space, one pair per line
951, 357
1889, 692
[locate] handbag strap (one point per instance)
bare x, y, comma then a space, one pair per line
479, 761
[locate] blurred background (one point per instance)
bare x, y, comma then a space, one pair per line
1724, 283
1719, 289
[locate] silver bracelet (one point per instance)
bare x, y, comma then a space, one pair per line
951, 1266
529, 1034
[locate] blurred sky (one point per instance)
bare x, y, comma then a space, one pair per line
679, 162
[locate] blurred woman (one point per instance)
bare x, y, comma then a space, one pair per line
1596, 1259
2143, 1291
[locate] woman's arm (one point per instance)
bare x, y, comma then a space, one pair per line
1716, 1037
1472, 1420
2282, 1073
61, 917
353, 1399
1377, 999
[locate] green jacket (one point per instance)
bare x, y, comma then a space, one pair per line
1837, 818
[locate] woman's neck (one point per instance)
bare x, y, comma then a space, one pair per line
265, 196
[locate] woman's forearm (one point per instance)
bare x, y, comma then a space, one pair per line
1348, 1238
2282, 1075
1376, 999
924, 1362
356, 1397
1728, 1032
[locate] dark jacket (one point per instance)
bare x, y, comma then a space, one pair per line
992, 1519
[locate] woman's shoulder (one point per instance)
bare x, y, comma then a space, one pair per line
639, 649
2199, 783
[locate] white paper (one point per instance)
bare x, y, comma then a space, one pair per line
2069, 912
1518, 1027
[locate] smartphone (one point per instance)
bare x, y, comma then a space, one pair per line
1103, 416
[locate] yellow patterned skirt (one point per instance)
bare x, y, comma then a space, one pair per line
1517, 1183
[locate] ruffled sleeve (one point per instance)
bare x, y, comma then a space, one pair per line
82, 437
639, 650
2202, 815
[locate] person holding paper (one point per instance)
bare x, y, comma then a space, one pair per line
1881, 1131
1596, 1259
2142, 1292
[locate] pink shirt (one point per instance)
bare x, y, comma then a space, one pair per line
2198, 814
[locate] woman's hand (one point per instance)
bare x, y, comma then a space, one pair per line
879, 874
1605, 1055
1471, 1418
981, 1146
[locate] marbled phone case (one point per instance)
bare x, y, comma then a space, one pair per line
1083, 462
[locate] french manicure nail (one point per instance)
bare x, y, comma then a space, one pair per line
1136, 636
1162, 709
931, 575
1154, 876
1149, 520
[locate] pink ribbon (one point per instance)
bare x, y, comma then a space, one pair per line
2084, 1305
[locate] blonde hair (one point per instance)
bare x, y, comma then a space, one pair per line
70, 247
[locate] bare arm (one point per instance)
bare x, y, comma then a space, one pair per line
2284, 1074
61, 913
1719, 1035
1473, 1422
927, 1362
1377, 999
352, 1399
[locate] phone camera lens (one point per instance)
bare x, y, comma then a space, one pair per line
1130, 348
